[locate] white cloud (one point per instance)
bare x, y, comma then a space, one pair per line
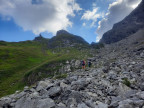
117, 11
40, 15
84, 24
92, 16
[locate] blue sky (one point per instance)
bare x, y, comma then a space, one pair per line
22, 20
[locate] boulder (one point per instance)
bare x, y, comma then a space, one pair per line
34, 103
82, 105
125, 104
77, 63
142, 86
140, 95
101, 105
123, 89
42, 85
80, 84
45, 103
54, 91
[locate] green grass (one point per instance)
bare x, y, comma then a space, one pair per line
61, 76
15, 60
24, 63
126, 82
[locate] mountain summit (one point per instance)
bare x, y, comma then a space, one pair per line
128, 26
65, 39
61, 32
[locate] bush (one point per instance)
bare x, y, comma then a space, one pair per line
126, 82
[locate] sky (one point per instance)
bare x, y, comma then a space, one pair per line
22, 20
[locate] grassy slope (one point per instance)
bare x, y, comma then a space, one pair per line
17, 60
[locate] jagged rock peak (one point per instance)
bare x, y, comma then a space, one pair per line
61, 32
39, 38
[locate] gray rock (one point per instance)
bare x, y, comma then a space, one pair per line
71, 103
72, 78
77, 96
114, 104
142, 86
101, 105
19, 95
42, 84
34, 95
138, 102
25, 103
54, 91
126, 104
67, 68
140, 95
80, 84
90, 104
26, 88
77, 63
123, 89
34, 103
61, 105
45, 103
82, 105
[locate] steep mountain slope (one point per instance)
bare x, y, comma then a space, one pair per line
116, 80
129, 25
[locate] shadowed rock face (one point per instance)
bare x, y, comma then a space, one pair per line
65, 39
128, 26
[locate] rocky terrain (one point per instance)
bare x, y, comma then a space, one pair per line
115, 80
128, 26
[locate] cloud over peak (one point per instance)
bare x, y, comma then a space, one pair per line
40, 15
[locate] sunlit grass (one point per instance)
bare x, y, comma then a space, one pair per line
20, 61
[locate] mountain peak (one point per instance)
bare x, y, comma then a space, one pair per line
39, 38
61, 32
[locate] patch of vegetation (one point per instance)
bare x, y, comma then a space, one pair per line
97, 45
61, 76
126, 82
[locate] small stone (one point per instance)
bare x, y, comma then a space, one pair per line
82, 105
101, 105
142, 86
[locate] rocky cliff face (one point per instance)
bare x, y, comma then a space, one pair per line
116, 80
130, 25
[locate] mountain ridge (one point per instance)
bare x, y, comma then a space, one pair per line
128, 26
62, 39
